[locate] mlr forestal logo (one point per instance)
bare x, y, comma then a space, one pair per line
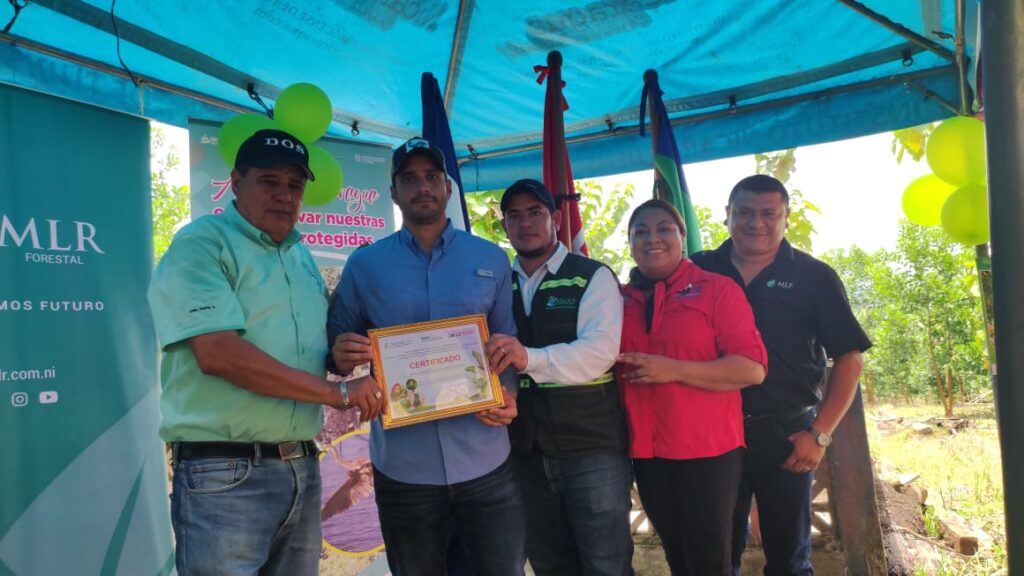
48, 241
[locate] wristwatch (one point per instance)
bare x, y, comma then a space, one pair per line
824, 439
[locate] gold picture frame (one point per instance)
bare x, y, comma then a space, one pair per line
433, 370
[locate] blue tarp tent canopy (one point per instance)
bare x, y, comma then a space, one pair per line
738, 76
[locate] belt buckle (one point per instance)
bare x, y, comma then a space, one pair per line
291, 450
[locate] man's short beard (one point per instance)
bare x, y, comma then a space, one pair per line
538, 252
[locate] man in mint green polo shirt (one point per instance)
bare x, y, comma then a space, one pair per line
240, 310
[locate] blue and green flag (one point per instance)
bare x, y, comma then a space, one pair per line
437, 130
669, 181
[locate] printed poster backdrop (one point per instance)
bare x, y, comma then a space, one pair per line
84, 478
361, 214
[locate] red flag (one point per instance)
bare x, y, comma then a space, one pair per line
557, 171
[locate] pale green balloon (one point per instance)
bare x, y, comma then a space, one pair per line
923, 199
965, 215
236, 130
304, 111
328, 174
956, 151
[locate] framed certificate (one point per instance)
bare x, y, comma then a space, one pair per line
433, 370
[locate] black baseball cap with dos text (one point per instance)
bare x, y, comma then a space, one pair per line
412, 147
270, 147
532, 187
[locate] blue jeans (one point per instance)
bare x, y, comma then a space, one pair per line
487, 513
577, 511
247, 516
783, 498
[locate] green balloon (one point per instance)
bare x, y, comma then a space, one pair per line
965, 215
303, 110
328, 175
956, 151
923, 199
236, 130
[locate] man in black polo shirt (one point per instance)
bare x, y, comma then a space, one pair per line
569, 440
801, 309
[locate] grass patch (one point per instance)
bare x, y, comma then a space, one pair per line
962, 472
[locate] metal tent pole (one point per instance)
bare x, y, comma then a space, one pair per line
1002, 55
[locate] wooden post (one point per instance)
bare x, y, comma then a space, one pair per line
852, 496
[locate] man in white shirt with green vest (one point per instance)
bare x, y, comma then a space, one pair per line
241, 312
569, 440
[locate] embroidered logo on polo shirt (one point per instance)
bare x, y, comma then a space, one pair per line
484, 273
554, 302
773, 283
690, 291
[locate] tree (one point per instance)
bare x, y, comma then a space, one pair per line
170, 202
919, 305
602, 215
940, 286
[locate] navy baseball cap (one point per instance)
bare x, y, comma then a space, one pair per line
269, 147
529, 186
415, 146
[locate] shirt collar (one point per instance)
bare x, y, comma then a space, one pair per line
232, 215
686, 267
447, 236
724, 252
553, 263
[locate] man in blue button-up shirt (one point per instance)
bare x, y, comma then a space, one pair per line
445, 475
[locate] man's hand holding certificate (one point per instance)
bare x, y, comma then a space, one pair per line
430, 370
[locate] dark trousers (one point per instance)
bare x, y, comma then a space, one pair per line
417, 520
577, 511
690, 503
783, 498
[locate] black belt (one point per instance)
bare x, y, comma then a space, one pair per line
778, 416
282, 451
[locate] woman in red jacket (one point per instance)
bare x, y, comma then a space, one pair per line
689, 344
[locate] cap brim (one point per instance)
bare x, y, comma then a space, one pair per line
429, 153
277, 161
507, 197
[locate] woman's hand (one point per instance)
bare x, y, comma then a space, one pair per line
649, 368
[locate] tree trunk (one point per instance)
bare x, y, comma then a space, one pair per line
931, 360
949, 396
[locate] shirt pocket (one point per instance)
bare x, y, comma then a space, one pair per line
476, 297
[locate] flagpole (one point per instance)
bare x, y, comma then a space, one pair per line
660, 186
559, 155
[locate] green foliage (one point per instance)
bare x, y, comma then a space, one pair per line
485, 218
712, 232
801, 230
919, 305
601, 212
911, 141
170, 203
931, 522
782, 164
